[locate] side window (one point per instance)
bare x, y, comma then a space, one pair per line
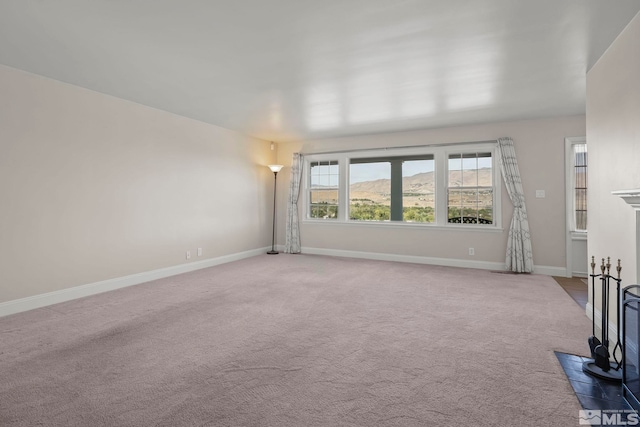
580, 186
323, 189
470, 188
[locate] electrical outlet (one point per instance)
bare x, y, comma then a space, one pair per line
540, 194
472, 251
188, 254
199, 251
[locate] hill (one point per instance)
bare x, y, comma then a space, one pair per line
420, 186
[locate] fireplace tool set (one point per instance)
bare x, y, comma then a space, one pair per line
601, 365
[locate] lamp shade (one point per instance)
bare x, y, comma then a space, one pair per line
275, 168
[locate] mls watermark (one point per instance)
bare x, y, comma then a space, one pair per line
609, 417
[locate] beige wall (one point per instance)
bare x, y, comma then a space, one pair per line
540, 150
613, 135
93, 187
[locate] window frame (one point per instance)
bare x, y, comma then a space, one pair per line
440, 154
570, 165
448, 186
391, 159
309, 189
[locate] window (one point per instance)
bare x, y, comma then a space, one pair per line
576, 204
580, 186
323, 189
429, 186
470, 188
392, 189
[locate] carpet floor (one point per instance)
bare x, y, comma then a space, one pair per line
299, 341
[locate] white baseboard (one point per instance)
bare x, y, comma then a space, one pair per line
447, 262
55, 297
613, 330
49, 298
550, 271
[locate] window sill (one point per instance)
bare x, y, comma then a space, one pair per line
578, 235
406, 225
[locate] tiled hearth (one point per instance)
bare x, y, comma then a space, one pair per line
592, 392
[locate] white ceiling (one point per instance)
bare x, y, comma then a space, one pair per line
287, 70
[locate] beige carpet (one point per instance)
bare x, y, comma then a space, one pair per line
299, 341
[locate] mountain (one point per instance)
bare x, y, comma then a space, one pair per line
422, 183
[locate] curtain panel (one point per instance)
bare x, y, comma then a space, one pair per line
292, 233
519, 256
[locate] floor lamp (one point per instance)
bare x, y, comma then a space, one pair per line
275, 169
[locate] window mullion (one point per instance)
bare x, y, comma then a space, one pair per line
396, 190
441, 184
343, 189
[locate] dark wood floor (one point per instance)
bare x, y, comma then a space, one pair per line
576, 288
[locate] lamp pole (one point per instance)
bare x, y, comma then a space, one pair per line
275, 169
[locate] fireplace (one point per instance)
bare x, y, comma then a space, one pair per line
632, 197
630, 316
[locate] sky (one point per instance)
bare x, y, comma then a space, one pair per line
361, 172
371, 171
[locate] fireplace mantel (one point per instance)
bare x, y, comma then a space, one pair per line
632, 197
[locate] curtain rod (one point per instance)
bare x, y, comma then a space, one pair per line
449, 144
